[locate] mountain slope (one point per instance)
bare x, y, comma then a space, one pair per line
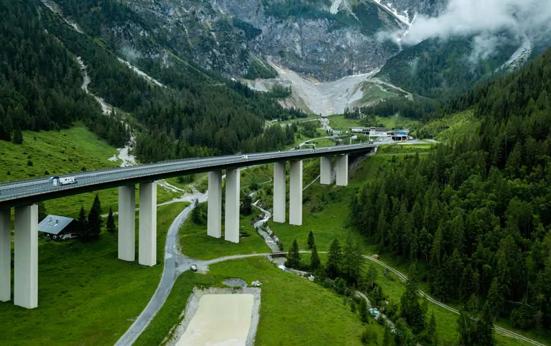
180, 110
39, 81
437, 68
319, 39
235, 37
477, 213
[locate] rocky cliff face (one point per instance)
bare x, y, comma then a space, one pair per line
413, 7
319, 38
304, 44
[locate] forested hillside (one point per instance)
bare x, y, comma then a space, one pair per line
194, 113
39, 80
441, 68
477, 213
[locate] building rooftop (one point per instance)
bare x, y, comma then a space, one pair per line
54, 224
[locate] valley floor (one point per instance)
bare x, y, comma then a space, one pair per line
328, 223
84, 285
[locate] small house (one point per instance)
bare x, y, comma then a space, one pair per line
58, 227
378, 133
400, 135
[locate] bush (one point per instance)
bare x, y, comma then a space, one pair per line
369, 337
523, 317
199, 214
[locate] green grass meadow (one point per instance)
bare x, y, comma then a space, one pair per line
50, 153
339, 122
293, 310
86, 295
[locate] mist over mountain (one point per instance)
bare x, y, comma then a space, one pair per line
463, 42
391, 48
522, 18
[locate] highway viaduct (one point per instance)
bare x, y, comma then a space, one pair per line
23, 196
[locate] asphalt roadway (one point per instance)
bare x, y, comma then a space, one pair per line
36, 190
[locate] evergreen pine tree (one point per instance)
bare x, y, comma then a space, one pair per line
5, 126
94, 221
388, 340
17, 136
485, 327
334, 260
293, 256
196, 214
311, 240
111, 227
382, 227
315, 261
369, 337
466, 287
466, 329
352, 262
247, 205
363, 311
82, 223
371, 276
495, 298
410, 309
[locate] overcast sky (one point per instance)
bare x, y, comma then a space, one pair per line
484, 18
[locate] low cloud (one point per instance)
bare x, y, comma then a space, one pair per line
483, 19
484, 46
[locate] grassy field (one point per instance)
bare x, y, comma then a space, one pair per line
395, 122
54, 153
195, 242
293, 310
452, 127
332, 222
374, 92
72, 150
86, 295
327, 224
339, 122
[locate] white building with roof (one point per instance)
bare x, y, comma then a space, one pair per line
57, 227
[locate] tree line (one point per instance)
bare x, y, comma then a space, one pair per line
345, 272
198, 113
40, 83
476, 213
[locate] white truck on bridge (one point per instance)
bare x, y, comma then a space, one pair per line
57, 181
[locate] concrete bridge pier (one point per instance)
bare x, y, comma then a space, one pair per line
295, 191
214, 213
5, 256
231, 222
127, 223
326, 171
148, 224
279, 192
342, 170
26, 257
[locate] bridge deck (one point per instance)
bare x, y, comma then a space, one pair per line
32, 191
